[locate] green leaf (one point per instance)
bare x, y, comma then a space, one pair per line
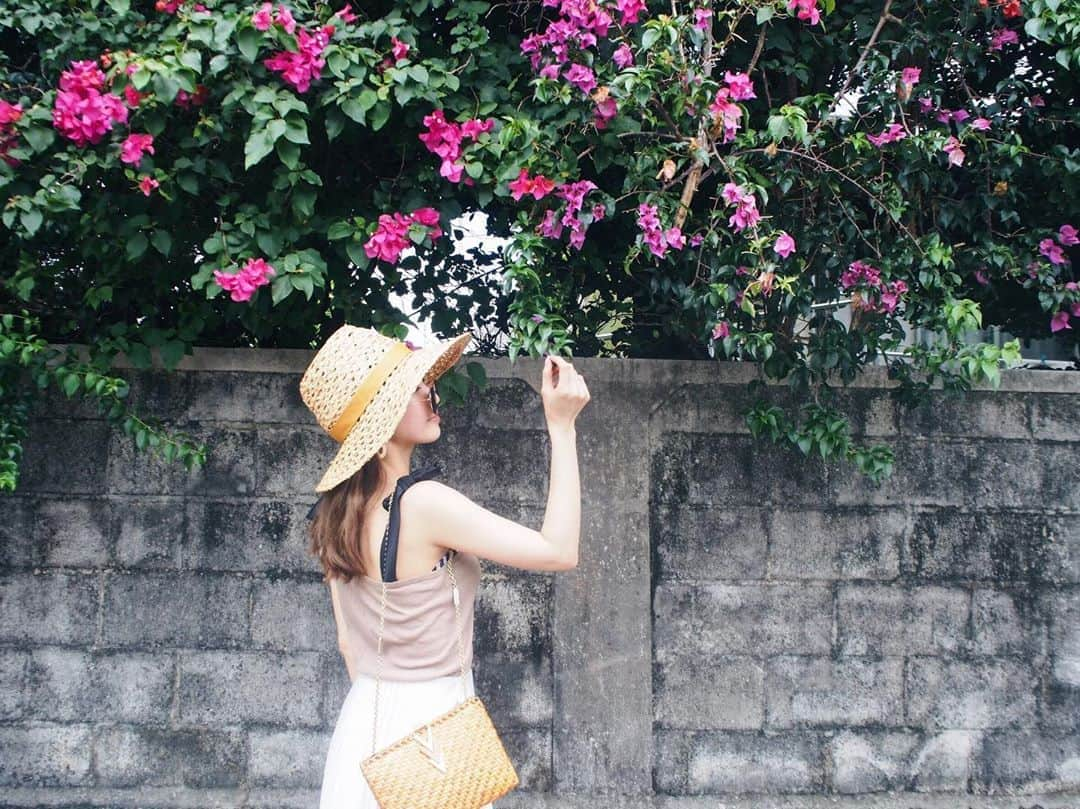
136, 246
248, 39
276, 128
40, 138
31, 220
764, 14
288, 153
162, 242
259, 145
339, 230
296, 130
121, 7
380, 116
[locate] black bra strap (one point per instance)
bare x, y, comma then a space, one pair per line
388, 550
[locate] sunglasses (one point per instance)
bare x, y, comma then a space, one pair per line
432, 397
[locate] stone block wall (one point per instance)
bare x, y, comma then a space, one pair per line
746, 627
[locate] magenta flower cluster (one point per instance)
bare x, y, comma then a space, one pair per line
444, 139
242, 285
391, 235
656, 237
868, 280
572, 218
83, 112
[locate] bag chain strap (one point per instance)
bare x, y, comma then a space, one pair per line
382, 621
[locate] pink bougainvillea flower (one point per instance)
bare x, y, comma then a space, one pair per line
605, 110
263, 17
581, 77
346, 14
133, 147
132, 96
390, 238
740, 85
400, 49
9, 113
955, 151
982, 124
1060, 321
1053, 251
444, 139
1037, 100
696, 240
1002, 37
521, 186
910, 75
807, 10
147, 184
785, 245
630, 9
299, 68
197, 99
702, 18
623, 56
284, 18
728, 112
746, 213
893, 133
243, 284
926, 104
1067, 235
82, 112
721, 330
982, 277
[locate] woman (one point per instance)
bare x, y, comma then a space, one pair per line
376, 396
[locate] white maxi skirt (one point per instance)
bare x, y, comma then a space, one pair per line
403, 707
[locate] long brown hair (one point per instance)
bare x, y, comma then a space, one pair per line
336, 528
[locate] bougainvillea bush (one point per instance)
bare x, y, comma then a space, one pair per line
791, 183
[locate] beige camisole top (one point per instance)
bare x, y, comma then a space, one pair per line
419, 635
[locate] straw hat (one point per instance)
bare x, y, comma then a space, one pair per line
358, 386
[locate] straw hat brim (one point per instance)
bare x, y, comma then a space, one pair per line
383, 414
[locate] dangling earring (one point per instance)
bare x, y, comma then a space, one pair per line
382, 451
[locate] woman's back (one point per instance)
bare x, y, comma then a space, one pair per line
420, 638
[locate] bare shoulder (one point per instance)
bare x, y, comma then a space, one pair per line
447, 518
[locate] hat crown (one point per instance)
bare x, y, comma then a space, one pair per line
339, 368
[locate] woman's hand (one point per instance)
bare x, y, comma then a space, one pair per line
563, 392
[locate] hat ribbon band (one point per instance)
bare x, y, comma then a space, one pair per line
366, 392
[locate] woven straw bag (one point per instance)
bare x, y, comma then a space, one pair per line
455, 761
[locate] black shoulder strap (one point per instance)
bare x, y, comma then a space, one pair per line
388, 551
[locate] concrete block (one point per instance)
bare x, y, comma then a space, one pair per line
722, 762
760, 619
820, 692
67, 685
45, 755
725, 694
695, 543
1063, 609
866, 761
74, 532
896, 620
148, 531
992, 414
1029, 762
140, 756
223, 689
249, 535
1006, 623
292, 615
63, 456
836, 543
961, 695
49, 607
17, 544
287, 758
175, 610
